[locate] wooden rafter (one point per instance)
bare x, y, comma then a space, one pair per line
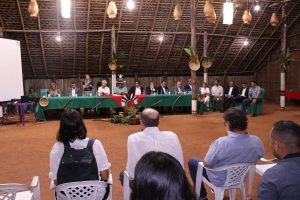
102, 39
274, 44
150, 35
242, 46
119, 23
157, 52
74, 36
216, 25
87, 39
134, 37
26, 40
58, 28
2, 25
259, 51
246, 55
181, 52
42, 47
174, 37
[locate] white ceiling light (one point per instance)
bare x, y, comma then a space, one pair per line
257, 7
65, 8
228, 12
246, 43
161, 37
130, 4
58, 38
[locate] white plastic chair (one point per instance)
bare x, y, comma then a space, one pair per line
235, 179
126, 187
16, 191
260, 170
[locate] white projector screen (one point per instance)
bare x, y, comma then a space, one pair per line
11, 79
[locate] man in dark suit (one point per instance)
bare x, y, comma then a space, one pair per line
137, 89
74, 90
177, 89
188, 88
163, 89
243, 93
231, 91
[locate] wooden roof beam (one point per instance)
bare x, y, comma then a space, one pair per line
119, 23
181, 52
74, 36
26, 40
87, 39
134, 37
259, 51
2, 26
242, 46
58, 28
42, 47
102, 39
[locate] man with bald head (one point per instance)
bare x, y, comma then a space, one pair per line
283, 180
151, 139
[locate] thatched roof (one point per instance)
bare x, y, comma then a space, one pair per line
86, 36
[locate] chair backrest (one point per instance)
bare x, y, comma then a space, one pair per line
261, 93
236, 174
84, 190
12, 191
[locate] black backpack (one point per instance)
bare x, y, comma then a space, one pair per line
77, 164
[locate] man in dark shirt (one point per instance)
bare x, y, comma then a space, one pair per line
282, 182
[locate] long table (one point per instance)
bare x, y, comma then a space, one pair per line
56, 103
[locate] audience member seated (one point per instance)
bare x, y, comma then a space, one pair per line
151, 139
159, 176
75, 157
237, 147
32, 94
177, 89
217, 95
87, 85
74, 91
121, 88
151, 88
204, 91
243, 93
103, 90
253, 98
283, 180
188, 87
137, 89
53, 91
163, 89
231, 91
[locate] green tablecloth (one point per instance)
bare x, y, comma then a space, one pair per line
170, 100
75, 102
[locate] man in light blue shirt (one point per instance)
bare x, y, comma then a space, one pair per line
253, 98
237, 147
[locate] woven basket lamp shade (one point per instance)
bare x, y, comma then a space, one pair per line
177, 12
208, 9
247, 17
274, 21
112, 10
33, 8
212, 19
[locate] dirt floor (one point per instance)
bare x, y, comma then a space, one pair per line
25, 150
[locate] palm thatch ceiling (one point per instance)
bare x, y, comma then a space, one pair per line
86, 36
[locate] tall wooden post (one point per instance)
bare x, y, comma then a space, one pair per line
283, 52
113, 50
205, 74
193, 45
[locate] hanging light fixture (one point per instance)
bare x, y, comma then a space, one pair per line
33, 8
274, 21
228, 12
65, 8
257, 6
208, 8
58, 37
112, 10
247, 17
177, 12
246, 43
212, 19
130, 5
161, 37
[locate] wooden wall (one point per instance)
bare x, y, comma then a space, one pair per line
63, 84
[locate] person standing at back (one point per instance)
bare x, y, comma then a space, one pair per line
282, 182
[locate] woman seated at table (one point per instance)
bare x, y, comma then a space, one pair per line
53, 91
151, 89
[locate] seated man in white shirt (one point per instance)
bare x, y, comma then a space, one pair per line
204, 90
103, 90
217, 94
151, 139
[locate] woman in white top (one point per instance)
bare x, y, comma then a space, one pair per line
73, 131
204, 90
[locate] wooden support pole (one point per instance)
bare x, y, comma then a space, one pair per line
283, 52
113, 50
205, 75
193, 45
